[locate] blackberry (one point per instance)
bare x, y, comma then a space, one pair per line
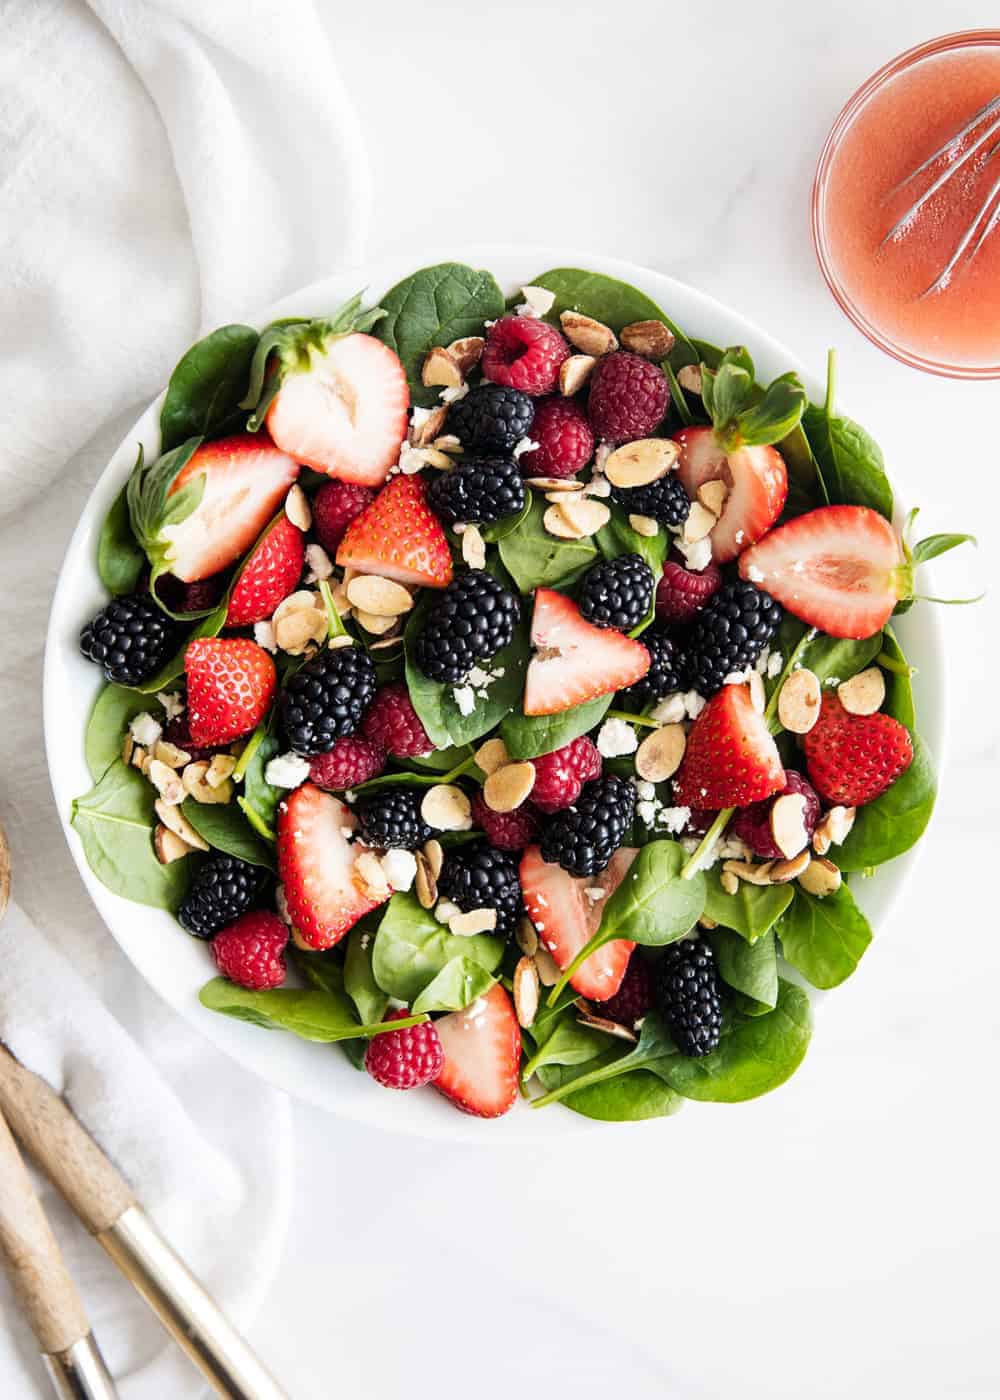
478, 876
473, 619
729, 634
667, 672
690, 996
479, 489
617, 592
390, 818
492, 416
222, 890
129, 639
326, 699
583, 838
664, 500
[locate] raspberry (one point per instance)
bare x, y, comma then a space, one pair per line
508, 831
334, 506
251, 951
204, 594
628, 397
681, 593
393, 724
565, 440
753, 824
524, 353
632, 999
350, 762
405, 1059
560, 775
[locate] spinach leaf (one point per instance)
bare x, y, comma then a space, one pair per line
115, 821
411, 948
313, 1013
612, 301
320, 970
751, 911
894, 822
109, 718
654, 1050
628, 1098
173, 669
359, 978
500, 529
751, 968
824, 938
259, 802
455, 987
440, 760
527, 736
225, 827
119, 558
435, 306
206, 386
537, 559
560, 1038
831, 659
850, 461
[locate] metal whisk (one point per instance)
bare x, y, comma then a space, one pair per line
987, 216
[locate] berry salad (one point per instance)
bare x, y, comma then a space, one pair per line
506, 691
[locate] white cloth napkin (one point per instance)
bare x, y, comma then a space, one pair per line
165, 166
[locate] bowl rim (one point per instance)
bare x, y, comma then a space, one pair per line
283, 1061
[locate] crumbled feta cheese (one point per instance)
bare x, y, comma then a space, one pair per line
670, 710
731, 848
647, 812
754, 574
350, 796
616, 737
477, 676
526, 444
172, 703
674, 819
287, 770
400, 868
594, 893
418, 417
465, 699
319, 565
453, 393
775, 665
263, 635
694, 703
604, 451
445, 910
737, 677
145, 729
411, 459
697, 553
740, 536
646, 791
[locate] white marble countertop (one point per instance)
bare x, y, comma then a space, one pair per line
840, 1236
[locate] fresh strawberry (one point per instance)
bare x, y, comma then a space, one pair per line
246, 479
839, 568
482, 1055
399, 537
344, 411
316, 864
757, 480
731, 758
567, 917
269, 575
575, 661
230, 683
852, 759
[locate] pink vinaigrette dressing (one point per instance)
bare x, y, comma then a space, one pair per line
897, 121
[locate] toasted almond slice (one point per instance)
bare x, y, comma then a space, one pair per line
821, 842
509, 786
584, 513
170, 754
588, 1017
799, 701
472, 922
557, 524
467, 352
128, 748
473, 547
712, 495
548, 968
492, 755
526, 937
650, 338
377, 626
368, 869
446, 808
820, 878
641, 462
554, 486
448, 442
783, 871
174, 819
706, 922
166, 781
749, 874
689, 378
168, 846
297, 507
526, 986
434, 852
590, 336
381, 596
699, 524
787, 821
195, 781
300, 629
422, 434
659, 755
139, 757
425, 883
864, 693
342, 640
441, 370
574, 373
833, 829
729, 882
645, 525
220, 768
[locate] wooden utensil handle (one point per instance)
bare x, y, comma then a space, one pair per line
44, 1288
64, 1150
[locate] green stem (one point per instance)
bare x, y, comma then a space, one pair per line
693, 865
335, 627
633, 719
899, 668
466, 766
831, 382
249, 749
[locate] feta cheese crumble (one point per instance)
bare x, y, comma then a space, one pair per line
400, 868
616, 737
465, 698
287, 770
145, 730
263, 635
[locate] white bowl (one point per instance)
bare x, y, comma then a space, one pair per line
178, 966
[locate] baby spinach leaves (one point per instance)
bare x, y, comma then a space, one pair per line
259, 800
115, 822
560, 1038
751, 911
611, 301
527, 736
824, 938
626, 1098
105, 733
225, 827
205, 389
750, 968
536, 559
313, 1013
120, 561
851, 462
831, 659
654, 1049
412, 952
435, 306
359, 978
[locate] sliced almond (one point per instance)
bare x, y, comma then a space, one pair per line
650, 338
423, 433
467, 352
526, 988
441, 369
509, 786
473, 547
128, 748
864, 693
833, 829
799, 701
175, 820
590, 336
446, 808
196, 785
448, 442
574, 373
699, 523
220, 767
429, 457
368, 869
138, 757
383, 597
166, 782
299, 620
641, 462
492, 755
548, 968
538, 301
170, 754
783, 871
341, 601
425, 883
554, 485
659, 755
377, 626
729, 882
585, 514
472, 922
341, 640
645, 525
749, 874
821, 842
168, 846
712, 495
788, 827
384, 643
297, 507
589, 1017
526, 937
557, 524
820, 877
706, 922
434, 852
689, 378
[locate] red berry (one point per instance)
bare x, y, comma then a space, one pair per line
681, 593
268, 575
559, 776
508, 831
351, 761
191, 597
334, 506
525, 353
405, 1059
230, 683
565, 440
251, 951
176, 732
628, 397
393, 724
852, 759
753, 824
632, 999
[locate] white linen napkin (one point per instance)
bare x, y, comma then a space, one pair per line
165, 166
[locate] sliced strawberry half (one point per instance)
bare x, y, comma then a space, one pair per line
246, 479
269, 575
731, 758
316, 864
482, 1055
345, 411
230, 683
839, 568
758, 485
567, 917
399, 537
575, 661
